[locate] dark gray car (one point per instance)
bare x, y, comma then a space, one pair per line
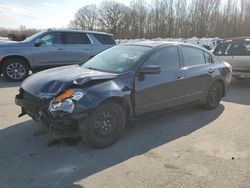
51, 48
123, 83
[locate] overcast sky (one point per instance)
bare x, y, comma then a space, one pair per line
40, 13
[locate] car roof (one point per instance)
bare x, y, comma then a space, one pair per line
79, 31
154, 44
237, 39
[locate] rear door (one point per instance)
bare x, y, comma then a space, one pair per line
199, 72
50, 53
77, 47
159, 91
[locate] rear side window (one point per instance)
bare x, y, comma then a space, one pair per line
192, 56
104, 39
208, 57
75, 38
166, 58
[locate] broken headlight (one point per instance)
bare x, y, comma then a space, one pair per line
66, 101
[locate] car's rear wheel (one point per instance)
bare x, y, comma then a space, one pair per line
104, 126
214, 96
15, 69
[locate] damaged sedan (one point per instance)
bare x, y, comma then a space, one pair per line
123, 83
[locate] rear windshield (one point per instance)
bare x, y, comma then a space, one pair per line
104, 39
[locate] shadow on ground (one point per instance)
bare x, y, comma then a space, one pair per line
29, 161
4, 83
239, 92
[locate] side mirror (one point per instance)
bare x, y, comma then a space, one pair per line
38, 42
150, 69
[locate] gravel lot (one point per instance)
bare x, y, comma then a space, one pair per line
190, 147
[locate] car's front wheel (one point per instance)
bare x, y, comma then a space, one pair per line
214, 96
15, 69
104, 126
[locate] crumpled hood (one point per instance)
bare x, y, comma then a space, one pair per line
52, 81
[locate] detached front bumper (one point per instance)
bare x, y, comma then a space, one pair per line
62, 121
37, 109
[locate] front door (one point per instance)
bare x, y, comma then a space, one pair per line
50, 53
158, 91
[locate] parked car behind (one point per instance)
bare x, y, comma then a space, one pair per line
237, 54
51, 48
122, 83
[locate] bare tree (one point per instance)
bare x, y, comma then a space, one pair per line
86, 18
167, 18
113, 16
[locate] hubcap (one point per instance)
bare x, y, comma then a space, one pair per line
105, 124
16, 71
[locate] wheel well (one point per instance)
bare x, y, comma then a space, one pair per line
13, 56
122, 103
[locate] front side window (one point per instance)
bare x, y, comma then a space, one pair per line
166, 58
51, 39
192, 56
117, 59
221, 49
75, 38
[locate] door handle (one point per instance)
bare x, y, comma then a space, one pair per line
60, 49
210, 71
179, 78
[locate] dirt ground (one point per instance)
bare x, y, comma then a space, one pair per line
190, 147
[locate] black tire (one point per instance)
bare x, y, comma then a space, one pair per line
15, 69
104, 126
214, 96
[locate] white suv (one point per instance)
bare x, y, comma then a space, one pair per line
237, 53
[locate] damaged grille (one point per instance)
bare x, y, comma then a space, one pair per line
34, 104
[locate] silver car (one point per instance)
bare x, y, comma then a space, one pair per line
51, 48
237, 54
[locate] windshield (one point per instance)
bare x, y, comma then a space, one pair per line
117, 59
33, 36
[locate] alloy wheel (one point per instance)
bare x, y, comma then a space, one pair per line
16, 70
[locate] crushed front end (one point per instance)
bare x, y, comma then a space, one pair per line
58, 114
